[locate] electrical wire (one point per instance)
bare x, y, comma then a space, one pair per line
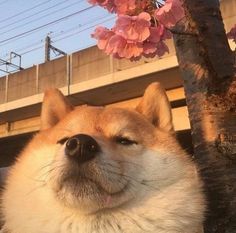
29, 46
22, 12
84, 29
29, 16
41, 17
45, 25
32, 50
17, 50
81, 25
82, 47
58, 34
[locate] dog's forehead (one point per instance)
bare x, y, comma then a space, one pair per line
85, 114
126, 117
83, 117
88, 118
103, 114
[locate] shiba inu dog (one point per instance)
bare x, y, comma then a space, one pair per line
104, 170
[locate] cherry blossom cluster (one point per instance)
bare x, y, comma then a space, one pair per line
116, 6
141, 27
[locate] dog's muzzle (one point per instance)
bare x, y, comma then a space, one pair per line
82, 148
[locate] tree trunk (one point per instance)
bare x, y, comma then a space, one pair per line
206, 63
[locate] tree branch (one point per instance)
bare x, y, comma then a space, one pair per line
179, 32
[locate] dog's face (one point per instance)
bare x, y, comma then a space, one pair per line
103, 157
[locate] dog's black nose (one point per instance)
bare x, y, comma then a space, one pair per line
82, 148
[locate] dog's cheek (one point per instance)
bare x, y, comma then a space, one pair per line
43, 156
125, 160
54, 166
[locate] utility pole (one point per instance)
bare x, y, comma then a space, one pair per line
49, 47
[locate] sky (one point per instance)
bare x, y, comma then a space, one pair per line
24, 25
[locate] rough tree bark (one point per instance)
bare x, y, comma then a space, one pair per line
206, 63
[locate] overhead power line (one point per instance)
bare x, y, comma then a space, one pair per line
41, 17
29, 46
65, 37
96, 19
22, 12
32, 50
84, 29
29, 16
18, 50
81, 48
60, 33
47, 24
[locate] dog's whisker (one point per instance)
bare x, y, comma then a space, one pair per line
129, 178
36, 188
123, 162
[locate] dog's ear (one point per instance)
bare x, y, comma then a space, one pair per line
155, 106
55, 106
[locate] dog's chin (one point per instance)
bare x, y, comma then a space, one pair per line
90, 195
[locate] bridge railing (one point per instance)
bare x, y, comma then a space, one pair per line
81, 66
72, 69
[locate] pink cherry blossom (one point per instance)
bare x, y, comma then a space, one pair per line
134, 28
103, 35
142, 4
118, 45
124, 6
162, 49
107, 4
166, 33
170, 13
158, 33
131, 50
155, 34
149, 48
115, 45
232, 34
133, 36
98, 2
118, 6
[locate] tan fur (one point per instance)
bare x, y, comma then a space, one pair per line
151, 186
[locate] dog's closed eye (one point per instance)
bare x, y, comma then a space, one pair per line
124, 141
62, 140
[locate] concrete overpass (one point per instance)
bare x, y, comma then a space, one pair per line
88, 77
